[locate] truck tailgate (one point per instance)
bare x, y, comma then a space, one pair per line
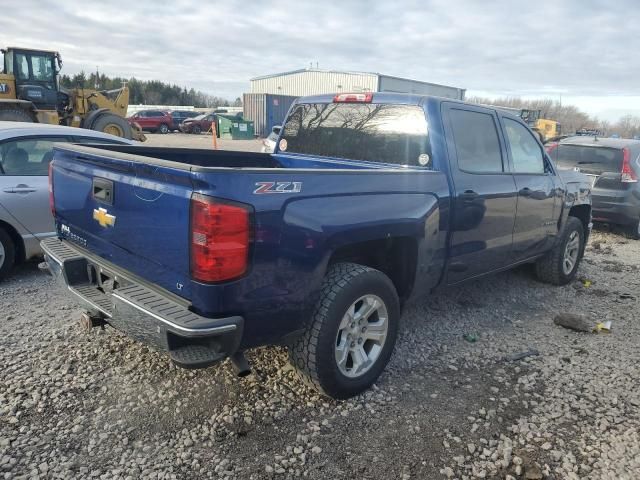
130, 213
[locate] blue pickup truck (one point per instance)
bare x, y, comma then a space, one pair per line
368, 200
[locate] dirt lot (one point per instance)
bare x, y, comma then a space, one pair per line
76, 405
200, 141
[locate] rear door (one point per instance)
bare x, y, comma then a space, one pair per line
24, 186
484, 193
142, 119
535, 226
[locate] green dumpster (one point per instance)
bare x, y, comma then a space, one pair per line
225, 124
242, 129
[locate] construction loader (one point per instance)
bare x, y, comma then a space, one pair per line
30, 92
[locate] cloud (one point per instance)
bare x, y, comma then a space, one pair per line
586, 48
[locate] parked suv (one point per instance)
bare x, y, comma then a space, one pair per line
613, 165
201, 123
153, 120
180, 116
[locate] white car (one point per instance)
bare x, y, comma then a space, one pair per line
25, 217
269, 143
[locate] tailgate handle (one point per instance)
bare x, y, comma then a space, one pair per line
103, 190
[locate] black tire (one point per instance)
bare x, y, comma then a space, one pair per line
313, 354
8, 259
163, 128
196, 130
15, 115
633, 230
549, 268
114, 125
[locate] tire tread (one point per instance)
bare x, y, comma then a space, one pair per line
302, 353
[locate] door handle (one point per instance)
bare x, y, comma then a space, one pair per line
22, 189
469, 195
525, 192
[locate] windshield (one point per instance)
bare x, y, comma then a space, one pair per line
41, 67
591, 160
384, 133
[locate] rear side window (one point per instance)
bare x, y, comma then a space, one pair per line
476, 139
384, 133
525, 151
591, 160
29, 156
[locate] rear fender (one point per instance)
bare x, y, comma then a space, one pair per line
315, 228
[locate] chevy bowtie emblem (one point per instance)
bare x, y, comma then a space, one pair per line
101, 216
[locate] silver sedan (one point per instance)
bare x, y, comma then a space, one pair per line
25, 217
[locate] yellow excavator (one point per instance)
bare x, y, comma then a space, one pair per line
30, 92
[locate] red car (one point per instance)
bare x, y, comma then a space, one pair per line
201, 123
152, 120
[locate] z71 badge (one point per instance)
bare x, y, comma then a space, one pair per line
277, 187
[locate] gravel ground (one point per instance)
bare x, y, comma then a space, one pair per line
78, 405
177, 139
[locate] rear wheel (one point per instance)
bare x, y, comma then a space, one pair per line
560, 265
163, 128
634, 230
7, 253
113, 125
15, 115
352, 334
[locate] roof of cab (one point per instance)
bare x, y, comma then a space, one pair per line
591, 141
400, 99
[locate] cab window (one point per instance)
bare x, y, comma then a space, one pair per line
525, 151
476, 140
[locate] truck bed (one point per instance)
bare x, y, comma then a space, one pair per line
295, 229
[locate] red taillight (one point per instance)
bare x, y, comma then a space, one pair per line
628, 174
353, 98
219, 239
51, 204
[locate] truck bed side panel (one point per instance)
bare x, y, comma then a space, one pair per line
296, 234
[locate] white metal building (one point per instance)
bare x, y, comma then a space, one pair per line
315, 82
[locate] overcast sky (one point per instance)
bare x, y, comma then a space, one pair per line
588, 51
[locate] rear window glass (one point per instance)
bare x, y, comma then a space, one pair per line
396, 134
592, 160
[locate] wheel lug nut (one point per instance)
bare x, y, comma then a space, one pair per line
360, 340
364, 329
353, 344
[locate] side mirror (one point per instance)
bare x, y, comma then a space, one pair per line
276, 129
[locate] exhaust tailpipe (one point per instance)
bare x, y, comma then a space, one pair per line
240, 364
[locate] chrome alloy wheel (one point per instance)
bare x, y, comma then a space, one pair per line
361, 336
571, 252
3, 255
